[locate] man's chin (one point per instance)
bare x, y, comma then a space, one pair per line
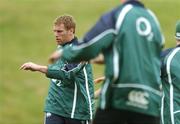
58, 43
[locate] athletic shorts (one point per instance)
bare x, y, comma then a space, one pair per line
115, 116
51, 118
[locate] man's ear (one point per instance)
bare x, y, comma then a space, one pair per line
71, 31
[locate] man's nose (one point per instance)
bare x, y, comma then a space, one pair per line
56, 36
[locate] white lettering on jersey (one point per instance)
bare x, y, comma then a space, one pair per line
57, 82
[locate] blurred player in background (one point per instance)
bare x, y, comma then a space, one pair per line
170, 75
130, 39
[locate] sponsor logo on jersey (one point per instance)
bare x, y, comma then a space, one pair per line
138, 99
144, 28
57, 82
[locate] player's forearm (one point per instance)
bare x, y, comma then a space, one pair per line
34, 67
42, 69
98, 80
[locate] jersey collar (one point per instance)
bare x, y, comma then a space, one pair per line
135, 3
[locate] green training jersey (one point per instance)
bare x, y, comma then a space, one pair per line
71, 91
170, 108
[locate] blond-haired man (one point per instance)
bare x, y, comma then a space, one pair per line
71, 91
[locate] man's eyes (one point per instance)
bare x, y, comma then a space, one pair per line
58, 31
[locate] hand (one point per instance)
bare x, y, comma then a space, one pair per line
98, 80
34, 67
98, 60
54, 57
97, 93
30, 66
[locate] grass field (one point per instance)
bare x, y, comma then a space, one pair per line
26, 35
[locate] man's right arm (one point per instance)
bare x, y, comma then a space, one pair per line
34, 67
68, 72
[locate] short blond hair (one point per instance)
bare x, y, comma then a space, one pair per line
67, 20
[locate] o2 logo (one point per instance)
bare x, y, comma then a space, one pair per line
57, 82
143, 28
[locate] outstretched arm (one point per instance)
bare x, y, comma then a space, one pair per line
67, 72
34, 67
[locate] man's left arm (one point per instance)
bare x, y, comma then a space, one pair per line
98, 39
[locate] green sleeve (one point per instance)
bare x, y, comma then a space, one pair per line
89, 50
61, 74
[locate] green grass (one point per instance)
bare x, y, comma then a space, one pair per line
26, 35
